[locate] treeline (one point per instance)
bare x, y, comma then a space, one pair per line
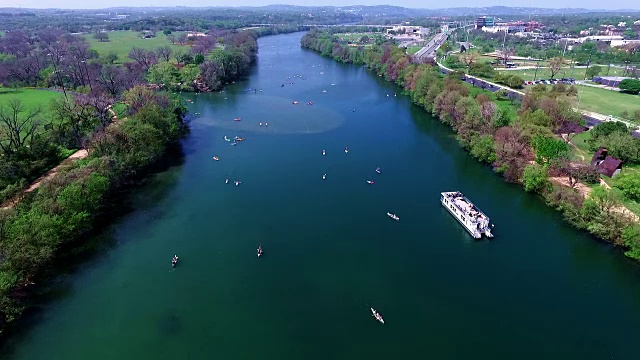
175, 19
518, 141
63, 211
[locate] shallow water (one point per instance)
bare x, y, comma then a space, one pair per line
540, 289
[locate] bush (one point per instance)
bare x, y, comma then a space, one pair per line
629, 183
631, 86
534, 178
482, 70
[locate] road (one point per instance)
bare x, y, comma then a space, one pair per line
432, 46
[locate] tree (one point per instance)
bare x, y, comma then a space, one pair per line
198, 59
101, 36
555, 65
549, 149
182, 38
18, 125
631, 86
164, 53
171, 38
534, 178
482, 70
468, 58
629, 183
110, 58
166, 32
483, 149
146, 58
593, 71
364, 39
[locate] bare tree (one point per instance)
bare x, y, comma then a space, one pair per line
507, 54
17, 125
555, 65
468, 58
164, 53
171, 38
182, 38
143, 57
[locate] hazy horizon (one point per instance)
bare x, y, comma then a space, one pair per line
418, 4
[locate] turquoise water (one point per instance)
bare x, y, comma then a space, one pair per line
540, 289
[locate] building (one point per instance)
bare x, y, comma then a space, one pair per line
612, 81
605, 164
485, 21
616, 43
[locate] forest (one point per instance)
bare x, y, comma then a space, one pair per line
520, 141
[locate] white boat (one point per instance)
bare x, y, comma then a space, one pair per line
346, 150
323, 152
238, 182
393, 216
378, 170
377, 315
370, 182
226, 181
324, 176
226, 138
471, 218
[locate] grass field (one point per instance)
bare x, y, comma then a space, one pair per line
123, 41
413, 49
544, 73
607, 102
30, 99
355, 37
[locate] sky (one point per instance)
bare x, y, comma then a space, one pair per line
97, 4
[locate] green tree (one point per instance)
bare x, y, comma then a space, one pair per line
483, 148
593, 71
629, 183
631, 86
534, 178
631, 239
549, 149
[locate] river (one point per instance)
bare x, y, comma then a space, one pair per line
539, 290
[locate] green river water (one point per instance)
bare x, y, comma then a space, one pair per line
539, 290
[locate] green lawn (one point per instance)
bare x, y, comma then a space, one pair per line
355, 37
581, 150
413, 49
30, 99
123, 41
607, 102
576, 73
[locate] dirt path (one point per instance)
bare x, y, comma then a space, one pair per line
80, 154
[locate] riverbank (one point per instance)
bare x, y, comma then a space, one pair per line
522, 148
64, 209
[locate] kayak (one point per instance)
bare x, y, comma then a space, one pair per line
370, 182
237, 119
377, 315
